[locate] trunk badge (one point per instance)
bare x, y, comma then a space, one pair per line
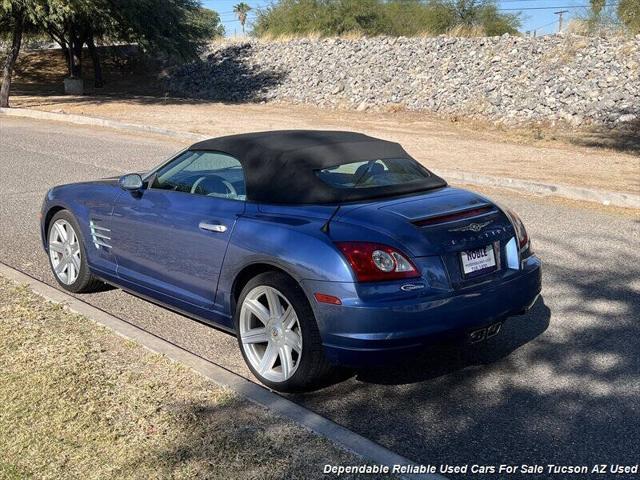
410, 287
472, 227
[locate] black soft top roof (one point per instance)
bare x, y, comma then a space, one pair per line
280, 166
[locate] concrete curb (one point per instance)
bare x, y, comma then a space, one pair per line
253, 392
618, 199
98, 122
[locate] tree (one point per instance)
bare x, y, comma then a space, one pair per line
409, 18
71, 24
179, 28
242, 10
629, 14
15, 18
382, 17
482, 14
175, 27
597, 6
598, 19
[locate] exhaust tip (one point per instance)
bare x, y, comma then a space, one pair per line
484, 333
494, 329
478, 335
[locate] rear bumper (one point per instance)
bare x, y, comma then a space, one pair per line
362, 333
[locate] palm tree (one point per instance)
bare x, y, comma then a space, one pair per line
241, 10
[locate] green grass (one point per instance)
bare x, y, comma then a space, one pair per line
77, 401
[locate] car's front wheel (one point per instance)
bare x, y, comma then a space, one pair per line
278, 334
67, 255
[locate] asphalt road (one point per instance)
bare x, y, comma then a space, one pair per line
560, 385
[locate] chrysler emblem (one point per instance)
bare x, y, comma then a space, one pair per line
472, 227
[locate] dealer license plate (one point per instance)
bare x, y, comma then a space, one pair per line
479, 260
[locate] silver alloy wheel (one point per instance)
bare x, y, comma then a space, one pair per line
64, 251
270, 333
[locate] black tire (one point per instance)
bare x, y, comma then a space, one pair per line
313, 366
86, 282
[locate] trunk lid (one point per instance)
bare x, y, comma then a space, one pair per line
441, 222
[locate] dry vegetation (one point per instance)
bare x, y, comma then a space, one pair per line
80, 402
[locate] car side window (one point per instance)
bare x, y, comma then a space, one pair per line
214, 174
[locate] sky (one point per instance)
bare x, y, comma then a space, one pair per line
536, 14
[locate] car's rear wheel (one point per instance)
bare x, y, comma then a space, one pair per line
278, 334
67, 255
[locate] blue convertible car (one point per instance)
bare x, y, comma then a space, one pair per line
314, 248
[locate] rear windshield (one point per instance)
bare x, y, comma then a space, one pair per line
374, 173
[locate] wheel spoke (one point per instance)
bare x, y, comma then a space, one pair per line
275, 308
293, 341
286, 360
59, 268
268, 359
60, 230
71, 273
256, 335
288, 318
258, 310
269, 346
56, 247
75, 261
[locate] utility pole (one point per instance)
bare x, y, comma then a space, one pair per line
560, 19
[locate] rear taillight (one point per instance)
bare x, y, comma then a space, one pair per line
374, 262
518, 226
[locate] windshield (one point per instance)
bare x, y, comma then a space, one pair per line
374, 173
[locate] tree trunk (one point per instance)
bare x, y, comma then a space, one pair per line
58, 37
12, 57
67, 58
75, 53
95, 58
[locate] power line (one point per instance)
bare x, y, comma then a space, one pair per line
543, 26
257, 7
552, 8
253, 11
233, 15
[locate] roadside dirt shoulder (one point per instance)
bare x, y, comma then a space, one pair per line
438, 143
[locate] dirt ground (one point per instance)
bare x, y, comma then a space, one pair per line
606, 160
437, 143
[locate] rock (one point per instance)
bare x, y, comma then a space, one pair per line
363, 106
628, 117
504, 79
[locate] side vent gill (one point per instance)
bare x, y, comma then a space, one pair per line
99, 235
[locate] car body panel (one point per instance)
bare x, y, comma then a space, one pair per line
84, 200
360, 332
393, 219
159, 244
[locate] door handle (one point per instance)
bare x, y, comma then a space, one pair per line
213, 227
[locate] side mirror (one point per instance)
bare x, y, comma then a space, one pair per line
131, 182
